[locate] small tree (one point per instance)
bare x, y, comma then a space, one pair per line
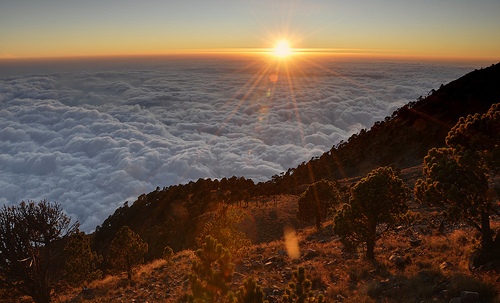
224, 228
461, 176
300, 290
28, 237
127, 250
211, 273
81, 262
376, 204
317, 200
250, 292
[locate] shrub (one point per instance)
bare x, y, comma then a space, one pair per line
168, 254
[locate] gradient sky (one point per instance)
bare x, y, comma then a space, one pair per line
452, 29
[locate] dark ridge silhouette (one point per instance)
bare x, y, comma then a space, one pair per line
173, 216
404, 138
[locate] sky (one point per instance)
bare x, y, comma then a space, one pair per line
444, 29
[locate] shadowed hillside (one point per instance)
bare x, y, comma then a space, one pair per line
405, 137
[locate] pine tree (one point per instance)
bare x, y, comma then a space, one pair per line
250, 292
224, 228
300, 290
459, 176
81, 262
127, 250
211, 272
317, 200
376, 204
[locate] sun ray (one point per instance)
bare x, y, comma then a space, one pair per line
251, 84
278, 73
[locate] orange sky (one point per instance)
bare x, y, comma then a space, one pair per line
447, 29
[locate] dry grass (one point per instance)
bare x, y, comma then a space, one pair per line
434, 270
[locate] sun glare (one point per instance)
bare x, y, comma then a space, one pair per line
282, 49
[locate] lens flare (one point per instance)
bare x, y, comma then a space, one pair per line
291, 243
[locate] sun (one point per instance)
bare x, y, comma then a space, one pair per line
282, 49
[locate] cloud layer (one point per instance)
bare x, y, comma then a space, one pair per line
93, 139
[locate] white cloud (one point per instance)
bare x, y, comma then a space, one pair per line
93, 139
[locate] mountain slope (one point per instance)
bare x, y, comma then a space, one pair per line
404, 138
173, 216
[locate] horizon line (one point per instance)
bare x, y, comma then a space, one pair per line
349, 53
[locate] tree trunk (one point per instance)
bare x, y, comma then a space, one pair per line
41, 292
486, 232
129, 272
371, 236
40, 275
318, 222
370, 247
488, 251
317, 215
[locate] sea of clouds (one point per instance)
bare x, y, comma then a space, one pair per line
91, 136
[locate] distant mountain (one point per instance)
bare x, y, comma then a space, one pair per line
172, 216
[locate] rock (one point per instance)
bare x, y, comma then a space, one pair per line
415, 242
445, 265
340, 298
268, 291
456, 300
256, 264
311, 254
287, 274
87, 293
470, 297
397, 260
493, 265
272, 259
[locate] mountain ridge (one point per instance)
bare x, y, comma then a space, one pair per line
174, 215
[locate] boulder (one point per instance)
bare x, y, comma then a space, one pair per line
311, 254
467, 297
397, 260
470, 297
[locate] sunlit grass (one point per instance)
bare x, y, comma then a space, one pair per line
439, 263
